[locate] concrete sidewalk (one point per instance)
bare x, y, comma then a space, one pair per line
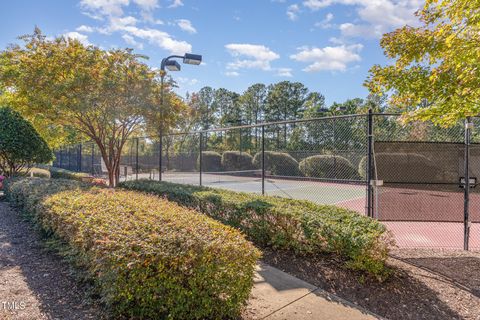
280, 296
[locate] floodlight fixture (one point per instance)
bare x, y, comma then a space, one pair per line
172, 65
191, 58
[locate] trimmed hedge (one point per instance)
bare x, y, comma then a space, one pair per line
59, 173
149, 257
211, 161
402, 167
328, 166
236, 160
296, 225
278, 163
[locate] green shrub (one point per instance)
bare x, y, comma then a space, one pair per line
278, 163
236, 160
58, 173
149, 257
402, 167
296, 225
20, 144
211, 161
328, 166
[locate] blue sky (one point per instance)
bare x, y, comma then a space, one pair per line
329, 45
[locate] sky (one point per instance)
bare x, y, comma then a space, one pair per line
329, 45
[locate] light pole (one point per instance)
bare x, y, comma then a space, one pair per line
171, 65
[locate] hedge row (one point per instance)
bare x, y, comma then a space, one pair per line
281, 164
328, 166
296, 225
149, 257
58, 173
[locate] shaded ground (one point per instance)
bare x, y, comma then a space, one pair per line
441, 284
35, 284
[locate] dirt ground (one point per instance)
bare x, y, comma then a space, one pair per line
35, 283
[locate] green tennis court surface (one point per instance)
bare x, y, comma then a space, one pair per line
351, 196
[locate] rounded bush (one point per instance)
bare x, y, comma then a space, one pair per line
149, 257
278, 163
328, 166
211, 161
236, 160
402, 167
21, 145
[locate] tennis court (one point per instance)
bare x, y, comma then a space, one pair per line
351, 196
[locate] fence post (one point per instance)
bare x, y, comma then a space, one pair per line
79, 158
136, 160
69, 158
160, 147
93, 159
200, 157
263, 160
369, 170
466, 204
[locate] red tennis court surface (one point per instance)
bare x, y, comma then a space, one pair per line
419, 209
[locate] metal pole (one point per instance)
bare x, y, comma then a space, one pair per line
79, 164
59, 162
263, 160
200, 157
69, 158
466, 204
160, 145
334, 153
93, 159
136, 162
369, 170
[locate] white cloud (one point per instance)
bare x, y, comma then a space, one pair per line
104, 7
111, 11
378, 16
232, 74
147, 5
186, 25
326, 22
160, 39
131, 41
317, 4
284, 72
250, 56
292, 12
118, 24
176, 3
361, 30
84, 28
77, 36
187, 81
328, 58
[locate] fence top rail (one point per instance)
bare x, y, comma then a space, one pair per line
263, 124
258, 125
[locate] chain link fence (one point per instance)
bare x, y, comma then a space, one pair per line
411, 176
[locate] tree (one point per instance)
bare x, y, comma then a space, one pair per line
20, 144
435, 76
102, 94
253, 101
285, 101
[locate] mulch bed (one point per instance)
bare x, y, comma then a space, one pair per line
425, 284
